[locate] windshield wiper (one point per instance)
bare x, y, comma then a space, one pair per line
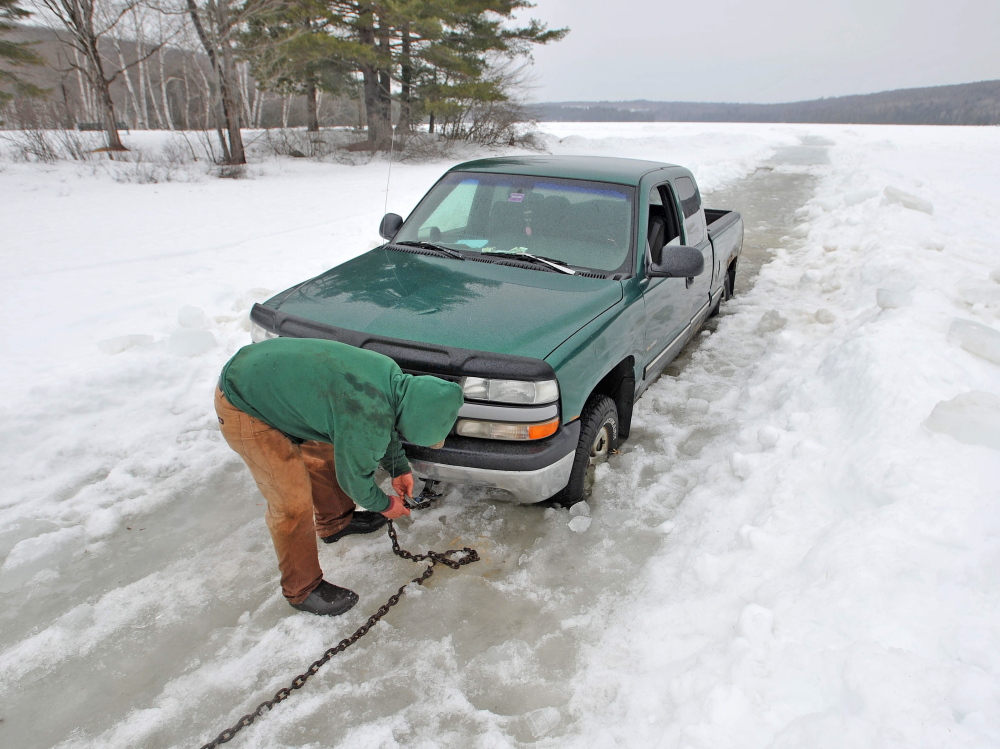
558, 265
431, 246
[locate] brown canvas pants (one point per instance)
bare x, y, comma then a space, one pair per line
299, 483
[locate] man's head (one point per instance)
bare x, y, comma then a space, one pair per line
427, 409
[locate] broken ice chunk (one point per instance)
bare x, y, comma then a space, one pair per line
905, 199
771, 321
977, 339
192, 317
740, 464
579, 524
756, 623
972, 418
892, 298
190, 342
123, 343
580, 509
697, 406
768, 436
542, 721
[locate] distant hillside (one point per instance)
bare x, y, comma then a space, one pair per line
964, 104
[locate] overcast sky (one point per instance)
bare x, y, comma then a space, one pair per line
761, 50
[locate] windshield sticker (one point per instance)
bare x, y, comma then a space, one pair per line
473, 243
515, 197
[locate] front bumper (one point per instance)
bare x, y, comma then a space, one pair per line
531, 472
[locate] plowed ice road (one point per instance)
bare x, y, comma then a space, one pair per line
798, 547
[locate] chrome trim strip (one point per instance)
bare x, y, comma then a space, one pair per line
702, 311
652, 365
508, 413
527, 487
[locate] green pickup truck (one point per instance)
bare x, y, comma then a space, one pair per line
554, 289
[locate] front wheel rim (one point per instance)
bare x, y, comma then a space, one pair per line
601, 447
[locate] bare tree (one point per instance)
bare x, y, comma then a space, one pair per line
218, 24
80, 19
87, 23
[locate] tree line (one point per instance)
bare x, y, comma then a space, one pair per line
962, 104
455, 66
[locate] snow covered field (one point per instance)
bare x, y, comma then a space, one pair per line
799, 546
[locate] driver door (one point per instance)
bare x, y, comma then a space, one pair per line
668, 301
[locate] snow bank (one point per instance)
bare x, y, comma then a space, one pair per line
829, 578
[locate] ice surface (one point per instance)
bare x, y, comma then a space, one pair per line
825, 316
976, 338
972, 418
907, 200
892, 298
797, 562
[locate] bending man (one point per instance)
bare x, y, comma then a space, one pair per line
313, 419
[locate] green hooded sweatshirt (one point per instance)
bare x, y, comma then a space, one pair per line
353, 399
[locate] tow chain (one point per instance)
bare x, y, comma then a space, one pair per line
443, 557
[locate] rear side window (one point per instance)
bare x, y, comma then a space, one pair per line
688, 193
694, 217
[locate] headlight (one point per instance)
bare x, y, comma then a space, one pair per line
496, 430
259, 333
510, 391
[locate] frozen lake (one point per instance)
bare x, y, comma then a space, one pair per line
782, 554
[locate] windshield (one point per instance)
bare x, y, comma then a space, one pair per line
583, 224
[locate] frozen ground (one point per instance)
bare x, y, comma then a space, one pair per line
798, 547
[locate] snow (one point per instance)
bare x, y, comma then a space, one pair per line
798, 546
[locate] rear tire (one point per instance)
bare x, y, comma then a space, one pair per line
728, 289
598, 439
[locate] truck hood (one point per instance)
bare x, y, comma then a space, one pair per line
448, 302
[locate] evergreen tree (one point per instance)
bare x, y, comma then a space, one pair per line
294, 51
13, 54
436, 52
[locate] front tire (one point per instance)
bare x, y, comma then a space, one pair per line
598, 439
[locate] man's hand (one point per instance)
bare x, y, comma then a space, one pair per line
396, 508
403, 486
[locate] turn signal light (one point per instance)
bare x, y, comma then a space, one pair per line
541, 431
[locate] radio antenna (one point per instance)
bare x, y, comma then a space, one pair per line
392, 146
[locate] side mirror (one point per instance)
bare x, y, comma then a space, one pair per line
390, 225
677, 261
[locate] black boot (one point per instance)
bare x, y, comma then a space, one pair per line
361, 522
328, 600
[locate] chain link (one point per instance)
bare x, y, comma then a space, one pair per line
453, 558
